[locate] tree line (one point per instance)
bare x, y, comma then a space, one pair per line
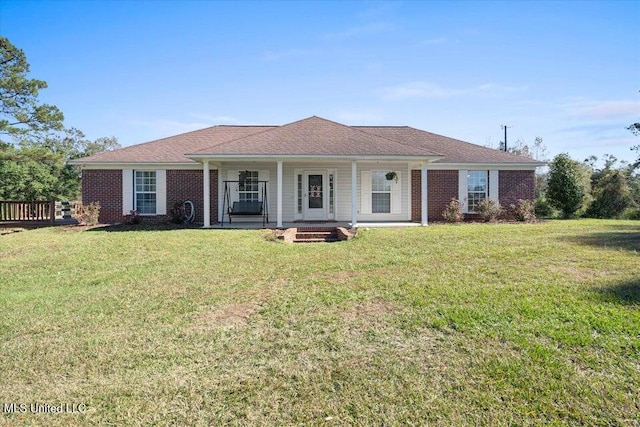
572, 188
582, 189
35, 145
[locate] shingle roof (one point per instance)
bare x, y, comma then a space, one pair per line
453, 150
313, 136
174, 148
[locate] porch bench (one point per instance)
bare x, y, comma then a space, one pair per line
245, 208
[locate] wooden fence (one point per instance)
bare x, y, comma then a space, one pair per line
36, 211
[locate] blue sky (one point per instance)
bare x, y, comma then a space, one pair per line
568, 72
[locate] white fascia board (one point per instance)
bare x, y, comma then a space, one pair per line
274, 157
484, 166
138, 166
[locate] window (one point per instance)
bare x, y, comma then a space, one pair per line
248, 191
331, 190
316, 189
299, 193
145, 194
476, 189
380, 193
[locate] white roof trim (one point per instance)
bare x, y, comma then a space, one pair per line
414, 162
485, 166
273, 157
137, 165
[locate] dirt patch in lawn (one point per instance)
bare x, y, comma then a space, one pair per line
370, 310
230, 315
582, 274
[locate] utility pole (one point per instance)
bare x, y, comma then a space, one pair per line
505, 127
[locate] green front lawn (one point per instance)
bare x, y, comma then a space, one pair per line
474, 324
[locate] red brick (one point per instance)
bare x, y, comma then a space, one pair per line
442, 186
516, 185
188, 185
105, 186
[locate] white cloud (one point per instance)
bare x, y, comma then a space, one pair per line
498, 89
597, 136
618, 109
602, 142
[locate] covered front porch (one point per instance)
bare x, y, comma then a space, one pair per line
293, 192
257, 225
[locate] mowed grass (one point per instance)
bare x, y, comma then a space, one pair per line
507, 324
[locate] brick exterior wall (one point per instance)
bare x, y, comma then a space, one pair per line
416, 196
188, 185
185, 185
442, 186
516, 185
105, 186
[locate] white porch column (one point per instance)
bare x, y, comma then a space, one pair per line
205, 195
354, 194
423, 191
279, 195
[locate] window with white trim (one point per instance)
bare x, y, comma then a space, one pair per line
477, 189
380, 192
249, 190
145, 192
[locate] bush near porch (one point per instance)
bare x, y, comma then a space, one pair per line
494, 324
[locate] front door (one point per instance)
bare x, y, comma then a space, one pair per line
315, 200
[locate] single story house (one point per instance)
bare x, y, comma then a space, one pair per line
312, 170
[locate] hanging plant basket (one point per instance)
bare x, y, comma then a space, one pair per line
391, 176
